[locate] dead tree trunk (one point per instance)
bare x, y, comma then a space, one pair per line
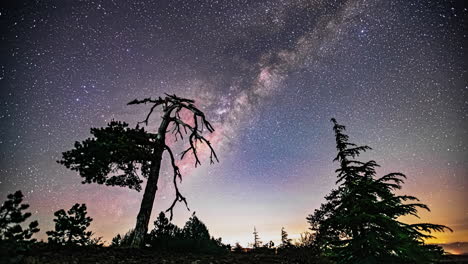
146, 206
170, 104
118, 154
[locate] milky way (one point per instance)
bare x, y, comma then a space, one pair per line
268, 74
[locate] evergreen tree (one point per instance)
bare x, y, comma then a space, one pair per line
70, 227
164, 228
359, 222
285, 241
164, 233
11, 218
257, 243
117, 152
195, 229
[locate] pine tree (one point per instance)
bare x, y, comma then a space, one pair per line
257, 243
163, 228
70, 227
164, 232
195, 229
285, 241
117, 153
359, 222
11, 218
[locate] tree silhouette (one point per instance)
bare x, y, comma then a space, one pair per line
117, 152
70, 227
359, 222
285, 241
123, 241
238, 248
11, 218
164, 232
257, 243
193, 237
195, 229
116, 241
270, 244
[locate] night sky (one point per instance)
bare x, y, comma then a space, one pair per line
268, 74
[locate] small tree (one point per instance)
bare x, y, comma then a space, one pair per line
257, 243
164, 233
285, 241
11, 218
116, 241
123, 241
70, 227
270, 244
306, 239
195, 229
238, 248
359, 222
117, 153
163, 228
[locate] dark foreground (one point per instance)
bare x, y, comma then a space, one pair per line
122, 255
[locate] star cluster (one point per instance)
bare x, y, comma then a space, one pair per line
269, 74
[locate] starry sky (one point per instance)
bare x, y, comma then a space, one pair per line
268, 74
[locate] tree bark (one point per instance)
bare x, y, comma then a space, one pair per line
141, 228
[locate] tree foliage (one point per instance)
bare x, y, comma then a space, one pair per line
70, 227
359, 222
257, 243
285, 241
193, 237
11, 218
195, 229
123, 241
112, 156
118, 155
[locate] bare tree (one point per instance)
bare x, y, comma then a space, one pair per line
118, 148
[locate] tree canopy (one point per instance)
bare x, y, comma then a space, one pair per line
11, 218
70, 227
359, 223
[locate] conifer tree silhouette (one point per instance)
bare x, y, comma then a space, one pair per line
257, 243
285, 241
70, 227
11, 218
164, 232
163, 228
359, 222
195, 229
116, 153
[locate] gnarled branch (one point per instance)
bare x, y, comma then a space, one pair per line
172, 106
179, 197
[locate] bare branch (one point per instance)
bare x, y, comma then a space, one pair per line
173, 104
179, 197
156, 102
